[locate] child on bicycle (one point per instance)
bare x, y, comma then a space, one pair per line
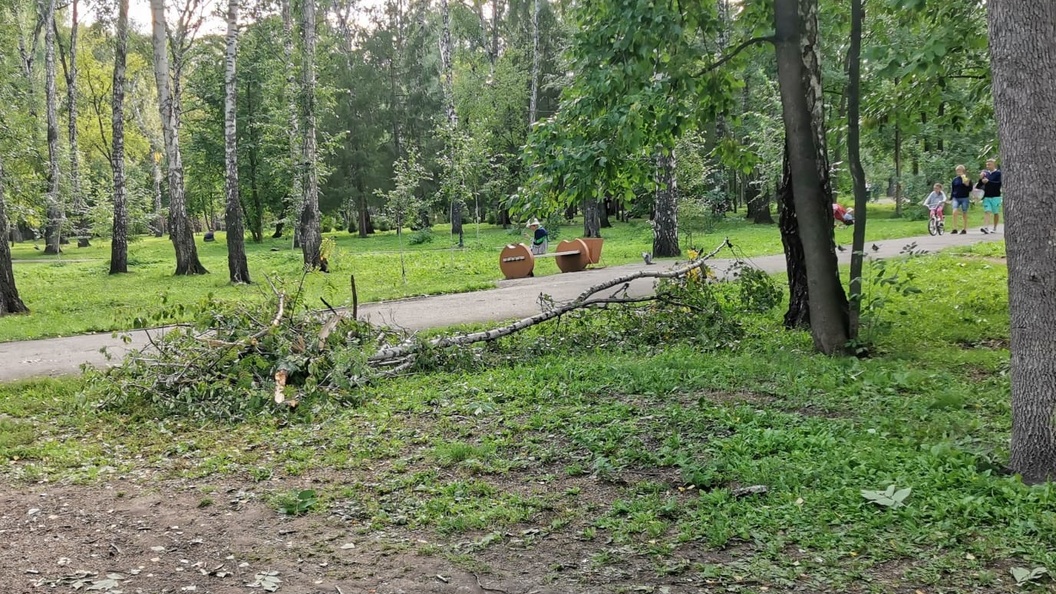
935, 202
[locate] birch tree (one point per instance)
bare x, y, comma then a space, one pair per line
54, 214
236, 239
180, 230
447, 81
311, 234
119, 243
82, 227
533, 104
799, 78
295, 196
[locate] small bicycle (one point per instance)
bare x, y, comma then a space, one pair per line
936, 222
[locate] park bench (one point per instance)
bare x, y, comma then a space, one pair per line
572, 255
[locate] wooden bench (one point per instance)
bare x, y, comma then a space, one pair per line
572, 255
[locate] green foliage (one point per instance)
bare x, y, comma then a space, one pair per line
297, 503
756, 290
421, 236
889, 497
883, 280
628, 101
228, 366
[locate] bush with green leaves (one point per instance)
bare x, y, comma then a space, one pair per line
421, 236
227, 365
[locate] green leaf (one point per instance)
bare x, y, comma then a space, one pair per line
889, 497
1024, 576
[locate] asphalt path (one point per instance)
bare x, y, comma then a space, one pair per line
511, 299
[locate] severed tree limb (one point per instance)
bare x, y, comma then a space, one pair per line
585, 299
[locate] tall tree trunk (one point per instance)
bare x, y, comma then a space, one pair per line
10, 303
236, 235
119, 244
799, 78
53, 226
861, 198
665, 229
295, 192
1023, 54
533, 105
591, 217
180, 231
311, 234
161, 223
898, 169
797, 316
82, 226
757, 200
454, 146
158, 225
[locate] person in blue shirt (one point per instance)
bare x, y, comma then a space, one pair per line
960, 191
990, 182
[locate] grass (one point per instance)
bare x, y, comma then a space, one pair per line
74, 294
639, 459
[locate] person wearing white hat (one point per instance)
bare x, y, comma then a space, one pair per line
539, 237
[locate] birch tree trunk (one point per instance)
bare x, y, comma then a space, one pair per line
591, 217
799, 78
119, 244
311, 235
236, 235
533, 104
295, 196
10, 303
53, 225
82, 226
1023, 55
180, 231
447, 81
665, 236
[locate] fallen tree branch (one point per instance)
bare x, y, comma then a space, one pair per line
410, 347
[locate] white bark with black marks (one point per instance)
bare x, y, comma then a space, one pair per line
180, 231
1023, 56
447, 82
533, 105
237, 266
119, 244
311, 233
295, 191
665, 235
799, 79
53, 208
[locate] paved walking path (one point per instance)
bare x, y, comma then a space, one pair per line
511, 299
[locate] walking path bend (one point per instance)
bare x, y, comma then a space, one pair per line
511, 299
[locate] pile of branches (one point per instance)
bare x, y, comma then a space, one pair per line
236, 364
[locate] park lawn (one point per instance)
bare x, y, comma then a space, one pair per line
74, 294
634, 455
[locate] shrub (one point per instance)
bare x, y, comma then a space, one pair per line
422, 236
